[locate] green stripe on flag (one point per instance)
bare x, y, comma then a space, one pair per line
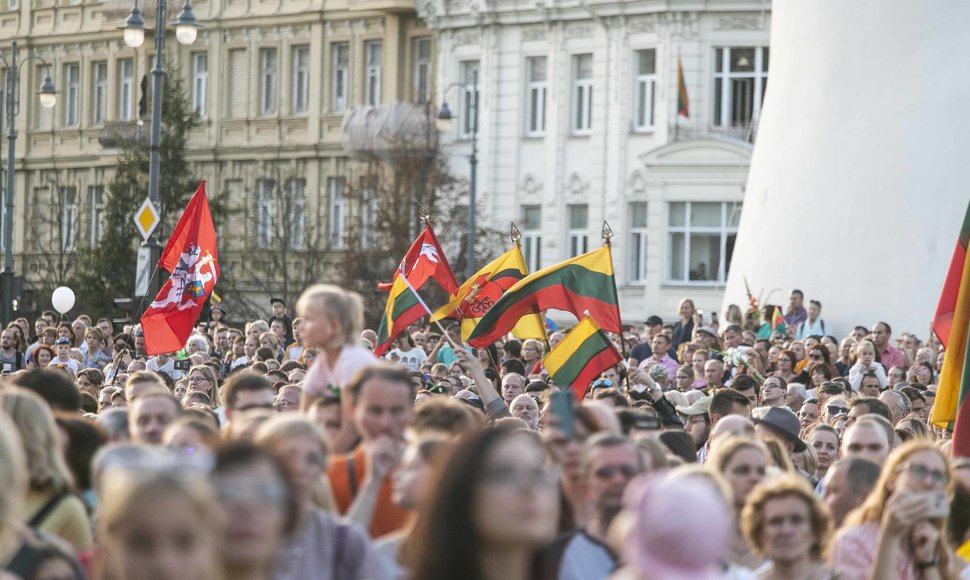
577, 361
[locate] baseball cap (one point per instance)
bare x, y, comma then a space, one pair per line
700, 407
654, 320
62, 340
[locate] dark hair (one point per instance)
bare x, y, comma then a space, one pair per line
244, 382
84, 438
381, 370
53, 386
93, 375
89, 404
822, 368
913, 393
291, 365
513, 348
263, 354
513, 365
875, 406
799, 292
746, 382
618, 399
724, 399
447, 415
680, 444
445, 543
816, 303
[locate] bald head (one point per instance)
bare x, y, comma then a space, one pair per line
731, 426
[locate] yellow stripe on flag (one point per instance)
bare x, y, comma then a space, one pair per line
951, 376
560, 355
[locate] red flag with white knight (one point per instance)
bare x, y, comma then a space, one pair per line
193, 261
425, 260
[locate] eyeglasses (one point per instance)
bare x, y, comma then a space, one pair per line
610, 471
773, 386
815, 357
837, 410
197, 380
509, 476
922, 472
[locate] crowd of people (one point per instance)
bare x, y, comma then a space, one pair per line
756, 446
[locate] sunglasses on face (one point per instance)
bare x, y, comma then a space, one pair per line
837, 410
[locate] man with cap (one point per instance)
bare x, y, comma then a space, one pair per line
708, 336
651, 328
698, 422
280, 313
782, 425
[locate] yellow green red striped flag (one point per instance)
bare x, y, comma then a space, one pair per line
581, 357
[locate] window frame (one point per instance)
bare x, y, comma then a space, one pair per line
300, 104
268, 81
336, 193
296, 201
423, 69
724, 231
340, 77
126, 89
536, 91
723, 107
96, 203
200, 83
644, 93
99, 92
469, 94
581, 117
72, 94
374, 71
638, 244
265, 192
68, 225
531, 237
577, 238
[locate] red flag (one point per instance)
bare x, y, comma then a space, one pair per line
425, 259
193, 261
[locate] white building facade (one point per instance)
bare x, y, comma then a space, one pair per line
579, 124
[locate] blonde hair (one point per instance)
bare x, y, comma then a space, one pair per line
726, 450
335, 303
209, 374
126, 494
46, 467
784, 486
13, 479
282, 427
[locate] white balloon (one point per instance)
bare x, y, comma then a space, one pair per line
63, 299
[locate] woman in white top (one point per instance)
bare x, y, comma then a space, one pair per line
866, 362
407, 353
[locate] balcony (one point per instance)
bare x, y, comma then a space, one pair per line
743, 132
382, 5
393, 131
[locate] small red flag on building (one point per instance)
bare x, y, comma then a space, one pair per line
683, 103
192, 259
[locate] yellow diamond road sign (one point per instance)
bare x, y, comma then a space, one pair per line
146, 218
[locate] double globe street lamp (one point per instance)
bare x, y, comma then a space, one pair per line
186, 31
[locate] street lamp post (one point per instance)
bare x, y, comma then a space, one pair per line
444, 124
186, 30
48, 98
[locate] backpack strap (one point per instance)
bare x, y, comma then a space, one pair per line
45, 511
340, 546
351, 477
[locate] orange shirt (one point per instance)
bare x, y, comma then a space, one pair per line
388, 517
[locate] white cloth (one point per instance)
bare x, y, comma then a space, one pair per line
413, 359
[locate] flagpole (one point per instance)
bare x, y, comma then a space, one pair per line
428, 310
607, 234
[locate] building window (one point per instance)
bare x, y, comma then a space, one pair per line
264, 212
374, 51
267, 81
200, 83
126, 89
532, 236
535, 124
99, 92
645, 86
701, 239
337, 211
72, 78
68, 217
368, 222
422, 70
469, 98
740, 77
301, 79
638, 243
13, 4
297, 213
96, 202
341, 71
578, 229
582, 94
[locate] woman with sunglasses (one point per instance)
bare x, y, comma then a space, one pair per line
899, 531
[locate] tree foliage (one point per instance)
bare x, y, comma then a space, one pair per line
107, 270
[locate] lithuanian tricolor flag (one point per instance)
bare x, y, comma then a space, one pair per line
581, 357
777, 319
480, 292
401, 311
683, 107
951, 324
582, 285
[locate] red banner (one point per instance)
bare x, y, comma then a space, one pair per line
192, 259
